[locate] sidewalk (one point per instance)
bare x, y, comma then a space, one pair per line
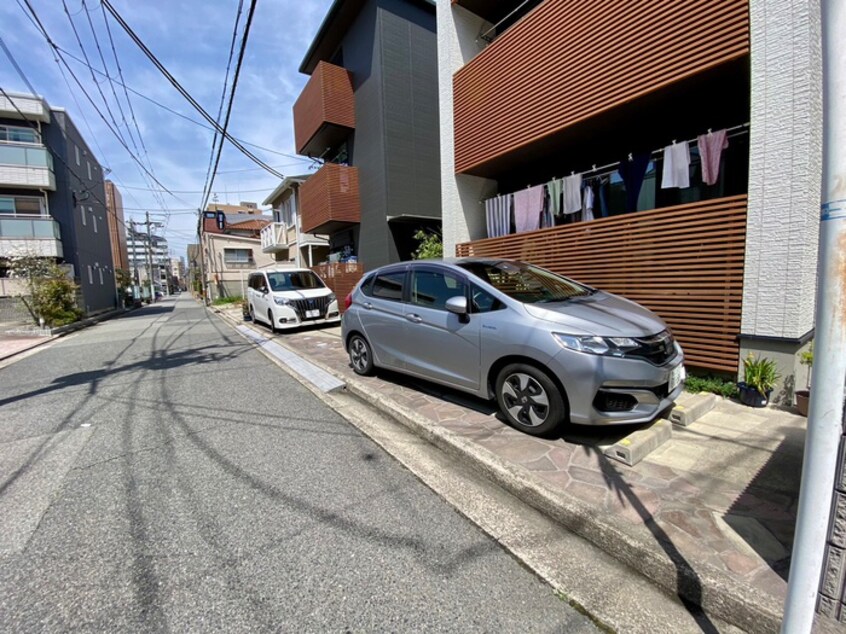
11, 345
709, 514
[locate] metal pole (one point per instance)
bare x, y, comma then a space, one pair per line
150, 259
202, 248
829, 371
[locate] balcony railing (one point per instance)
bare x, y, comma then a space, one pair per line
32, 108
30, 236
567, 61
329, 200
26, 166
685, 263
324, 114
239, 264
273, 238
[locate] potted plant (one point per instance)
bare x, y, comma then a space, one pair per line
803, 396
759, 379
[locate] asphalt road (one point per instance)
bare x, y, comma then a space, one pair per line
157, 473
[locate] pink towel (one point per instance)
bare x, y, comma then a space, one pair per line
528, 205
711, 146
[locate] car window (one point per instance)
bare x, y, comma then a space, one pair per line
366, 285
389, 285
294, 281
432, 289
526, 283
483, 302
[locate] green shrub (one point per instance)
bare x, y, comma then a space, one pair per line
713, 384
760, 373
430, 246
225, 301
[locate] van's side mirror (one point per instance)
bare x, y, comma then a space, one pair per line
264, 290
457, 305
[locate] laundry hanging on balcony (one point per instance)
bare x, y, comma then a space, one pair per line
498, 214
711, 147
528, 206
676, 166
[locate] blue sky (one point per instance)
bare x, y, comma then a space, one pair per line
191, 38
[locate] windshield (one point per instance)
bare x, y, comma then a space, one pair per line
294, 281
526, 283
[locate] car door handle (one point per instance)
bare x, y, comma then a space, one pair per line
414, 318
367, 305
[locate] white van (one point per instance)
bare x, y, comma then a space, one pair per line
287, 298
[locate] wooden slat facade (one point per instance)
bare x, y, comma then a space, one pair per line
684, 262
325, 110
568, 60
329, 199
340, 277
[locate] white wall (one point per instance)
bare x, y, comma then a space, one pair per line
458, 43
784, 168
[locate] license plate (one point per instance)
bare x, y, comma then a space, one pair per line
312, 314
676, 376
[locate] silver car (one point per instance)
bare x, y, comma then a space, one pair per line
547, 348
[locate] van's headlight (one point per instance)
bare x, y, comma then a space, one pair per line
608, 346
331, 298
281, 301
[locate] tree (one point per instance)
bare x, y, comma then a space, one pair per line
430, 246
52, 293
123, 279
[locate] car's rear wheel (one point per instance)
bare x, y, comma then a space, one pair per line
529, 399
361, 356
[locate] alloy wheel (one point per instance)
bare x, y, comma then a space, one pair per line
525, 399
359, 354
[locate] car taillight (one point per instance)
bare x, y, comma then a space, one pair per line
348, 301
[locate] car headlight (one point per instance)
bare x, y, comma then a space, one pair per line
608, 346
281, 301
331, 298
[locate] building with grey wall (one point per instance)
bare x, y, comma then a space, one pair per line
370, 113
52, 197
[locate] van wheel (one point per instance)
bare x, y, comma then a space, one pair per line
253, 315
270, 322
361, 357
529, 399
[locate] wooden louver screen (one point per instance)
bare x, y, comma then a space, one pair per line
684, 262
326, 99
330, 197
341, 277
569, 60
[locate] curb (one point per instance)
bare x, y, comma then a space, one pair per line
717, 593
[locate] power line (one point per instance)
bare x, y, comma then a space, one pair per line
182, 90
223, 95
235, 76
17, 68
58, 56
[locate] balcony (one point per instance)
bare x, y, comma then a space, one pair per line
324, 113
26, 167
33, 108
30, 236
274, 238
566, 62
329, 200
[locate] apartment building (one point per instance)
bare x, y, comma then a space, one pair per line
52, 198
148, 258
117, 226
284, 237
543, 95
369, 112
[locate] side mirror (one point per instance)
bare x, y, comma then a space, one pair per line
264, 290
457, 305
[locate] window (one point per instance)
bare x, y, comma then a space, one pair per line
76, 151
22, 206
483, 302
237, 257
389, 285
100, 271
14, 134
88, 166
90, 275
295, 281
526, 283
94, 221
82, 215
432, 289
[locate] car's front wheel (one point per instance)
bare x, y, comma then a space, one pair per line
529, 399
361, 357
271, 323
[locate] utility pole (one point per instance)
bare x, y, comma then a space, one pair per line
201, 247
826, 408
150, 258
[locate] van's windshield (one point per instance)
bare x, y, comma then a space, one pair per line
294, 281
526, 283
